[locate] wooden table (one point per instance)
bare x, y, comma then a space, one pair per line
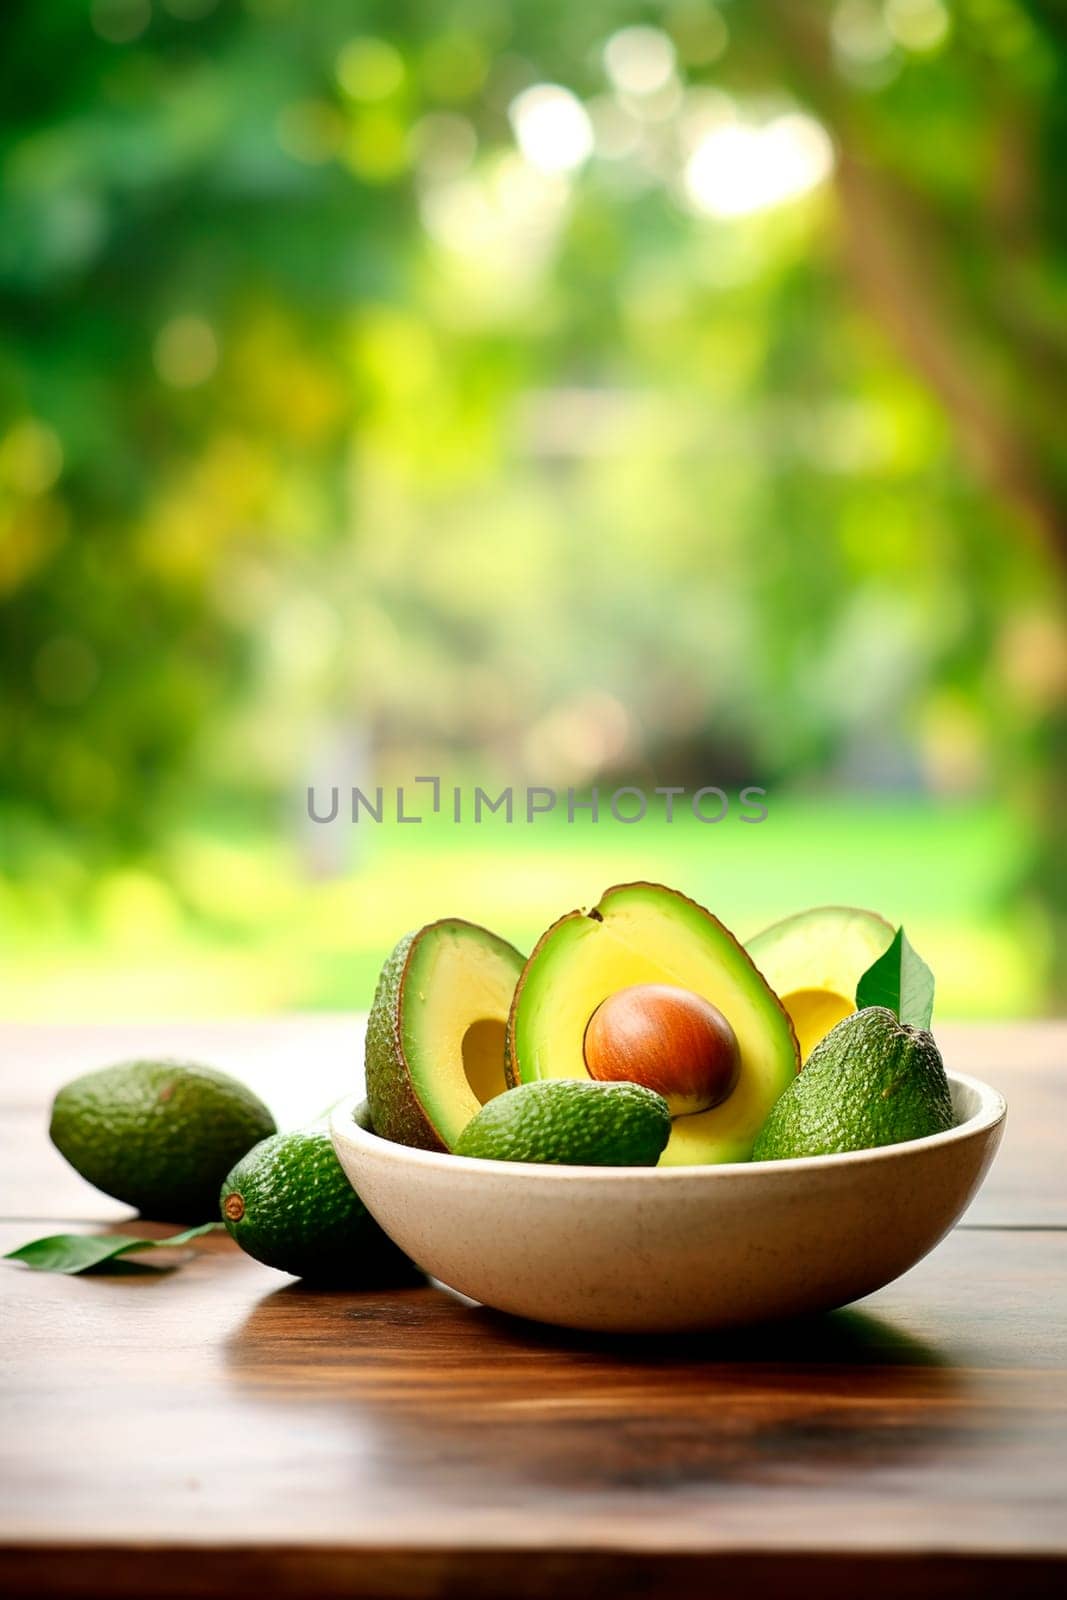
219, 1430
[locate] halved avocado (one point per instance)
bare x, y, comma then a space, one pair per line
813, 962
435, 1035
644, 933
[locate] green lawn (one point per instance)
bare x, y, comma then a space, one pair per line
236, 925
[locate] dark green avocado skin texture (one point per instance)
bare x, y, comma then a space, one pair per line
571, 1122
397, 1114
872, 1081
289, 1204
159, 1135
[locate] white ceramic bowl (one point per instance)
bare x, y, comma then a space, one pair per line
644, 1249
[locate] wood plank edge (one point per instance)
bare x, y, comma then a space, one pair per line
235, 1572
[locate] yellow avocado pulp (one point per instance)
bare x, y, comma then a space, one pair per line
483, 1057
457, 994
813, 1013
645, 933
814, 961
436, 1031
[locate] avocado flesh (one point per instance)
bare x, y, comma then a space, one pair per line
872, 1081
813, 962
646, 933
436, 1031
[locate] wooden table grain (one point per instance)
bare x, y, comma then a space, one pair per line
219, 1430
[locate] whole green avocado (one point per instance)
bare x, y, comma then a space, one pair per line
288, 1204
871, 1081
159, 1135
570, 1122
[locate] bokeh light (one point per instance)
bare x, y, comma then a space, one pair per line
552, 127
920, 25
370, 69
737, 169
186, 352
639, 60
120, 21
31, 457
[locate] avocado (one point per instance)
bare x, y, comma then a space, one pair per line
571, 1123
813, 962
644, 933
160, 1135
435, 1035
288, 1204
871, 1081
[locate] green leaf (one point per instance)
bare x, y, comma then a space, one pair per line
901, 981
78, 1252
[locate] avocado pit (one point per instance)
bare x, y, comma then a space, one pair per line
668, 1039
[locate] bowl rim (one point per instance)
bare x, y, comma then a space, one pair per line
990, 1111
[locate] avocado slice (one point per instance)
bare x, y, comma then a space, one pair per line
435, 1035
643, 933
813, 962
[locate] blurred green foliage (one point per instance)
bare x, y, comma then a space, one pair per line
360, 409
233, 923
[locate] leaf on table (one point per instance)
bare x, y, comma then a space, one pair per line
78, 1252
901, 981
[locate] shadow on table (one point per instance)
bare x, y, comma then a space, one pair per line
437, 1315
434, 1378
436, 1318
845, 1337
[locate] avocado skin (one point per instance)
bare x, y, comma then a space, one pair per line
872, 1081
394, 1106
567, 1122
159, 1135
302, 1216
396, 1109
